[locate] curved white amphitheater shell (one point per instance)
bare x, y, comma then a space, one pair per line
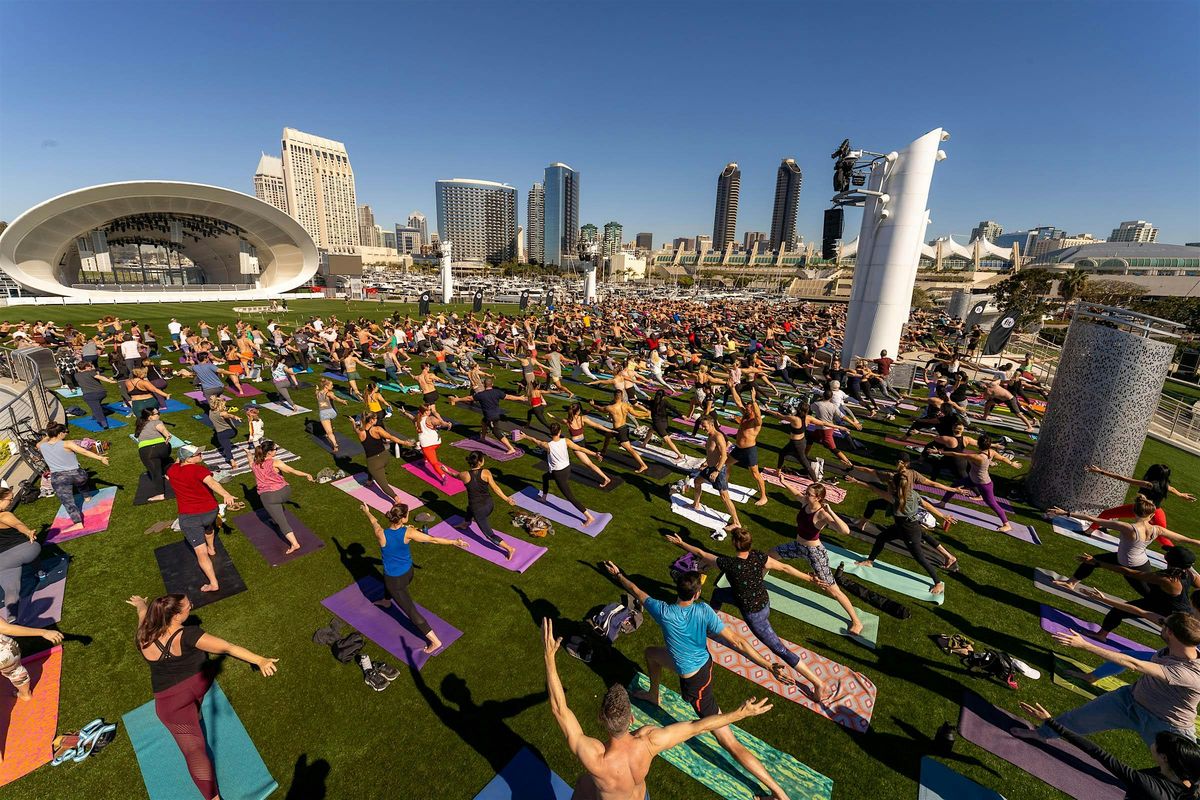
225, 245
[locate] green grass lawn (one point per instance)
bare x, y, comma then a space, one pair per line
444, 732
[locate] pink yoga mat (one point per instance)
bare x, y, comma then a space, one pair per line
451, 486
97, 509
725, 429
358, 488
833, 494
560, 512
388, 627
985, 519
247, 391
526, 553
1055, 621
489, 449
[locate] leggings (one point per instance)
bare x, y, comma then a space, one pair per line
479, 513
155, 458
759, 623
10, 662
225, 444
1126, 512
795, 449
273, 503
540, 413
396, 587
282, 388
987, 492
1158, 602
179, 710
377, 469
95, 402
563, 478
1084, 571
913, 533
430, 452
65, 484
12, 568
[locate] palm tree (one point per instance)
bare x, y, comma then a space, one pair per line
1071, 286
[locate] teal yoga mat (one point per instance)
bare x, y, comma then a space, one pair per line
818, 610
939, 782
241, 773
703, 758
883, 574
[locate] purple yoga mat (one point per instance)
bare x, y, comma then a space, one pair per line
451, 486
363, 491
1055, 621
489, 449
985, 519
247, 391
560, 512
477, 545
260, 530
725, 429
934, 491
1054, 761
388, 627
44, 605
197, 396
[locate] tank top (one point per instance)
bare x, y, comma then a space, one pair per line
11, 537
478, 492
557, 455
267, 476
806, 526
323, 401
427, 436
397, 555
169, 669
373, 445
373, 405
575, 429
57, 457
1131, 550
979, 471
150, 435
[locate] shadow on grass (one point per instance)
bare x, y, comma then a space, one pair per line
902, 753
308, 779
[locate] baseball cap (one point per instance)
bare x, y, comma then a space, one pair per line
188, 451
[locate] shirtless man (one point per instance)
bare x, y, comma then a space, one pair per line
617, 768
715, 470
619, 412
425, 380
745, 450
995, 394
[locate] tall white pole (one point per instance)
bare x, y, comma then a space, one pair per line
447, 276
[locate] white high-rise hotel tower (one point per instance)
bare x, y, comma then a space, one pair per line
320, 189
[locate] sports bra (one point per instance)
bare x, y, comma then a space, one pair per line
806, 527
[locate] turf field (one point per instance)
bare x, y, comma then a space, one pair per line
445, 731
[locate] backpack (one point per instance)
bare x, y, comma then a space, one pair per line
993, 664
687, 563
329, 474
533, 524
615, 619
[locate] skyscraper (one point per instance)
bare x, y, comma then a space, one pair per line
320, 189
479, 217
645, 241
729, 183
754, 236
366, 227
703, 242
612, 239
987, 229
787, 203
408, 239
268, 182
387, 238
417, 220
1137, 230
589, 233
684, 242
535, 224
561, 228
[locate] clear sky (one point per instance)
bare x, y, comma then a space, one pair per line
1078, 115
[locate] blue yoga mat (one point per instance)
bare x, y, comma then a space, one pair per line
169, 406
89, 424
526, 777
939, 782
241, 773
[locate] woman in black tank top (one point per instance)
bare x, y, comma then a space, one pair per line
480, 486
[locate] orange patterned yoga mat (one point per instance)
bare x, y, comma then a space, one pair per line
852, 704
27, 727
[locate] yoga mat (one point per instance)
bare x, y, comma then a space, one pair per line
43, 606
663, 455
889, 576
1080, 687
334, 376
97, 509
27, 728
1054, 761
560, 512
363, 489
388, 627
181, 573
933, 491
240, 770
617, 455
725, 429
241, 458
985, 520
526, 553
526, 777
939, 782
703, 758
737, 493
704, 516
1055, 621
260, 530
852, 704
347, 447
1013, 425
833, 494
63, 391
490, 449
1074, 529
588, 478
89, 424
169, 406
282, 410
449, 487
1044, 579
818, 610
247, 391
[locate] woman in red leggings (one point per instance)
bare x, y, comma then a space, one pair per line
429, 422
177, 654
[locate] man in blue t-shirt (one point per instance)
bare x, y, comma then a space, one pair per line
208, 375
687, 624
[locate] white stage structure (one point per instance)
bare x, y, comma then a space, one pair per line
895, 216
447, 274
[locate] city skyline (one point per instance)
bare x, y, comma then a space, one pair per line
656, 176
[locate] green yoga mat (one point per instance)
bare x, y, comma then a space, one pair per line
241, 773
1079, 687
703, 758
883, 574
819, 610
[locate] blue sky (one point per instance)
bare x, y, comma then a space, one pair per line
1078, 115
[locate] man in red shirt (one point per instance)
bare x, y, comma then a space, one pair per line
195, 487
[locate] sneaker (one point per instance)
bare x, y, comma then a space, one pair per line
371, 676
386, 671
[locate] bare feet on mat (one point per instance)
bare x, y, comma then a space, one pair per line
434, 645
78, 526
588, 519
938, 588
509, 552
291, 549
855, 630
606, 482
951, 563
210, 587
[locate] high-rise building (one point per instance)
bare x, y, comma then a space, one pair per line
417, 220
1137, 230
268, 182
987, 229
535, 210
387, 238
703, 242
787, 203
320, 189
612, 239
589, 233
366, 227
729, 183
683, 242
754, 236
645, 241
479, 218
408, 240
561, 228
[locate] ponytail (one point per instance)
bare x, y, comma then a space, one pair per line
262, 451
159, 614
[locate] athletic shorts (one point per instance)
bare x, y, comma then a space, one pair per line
697, 690
746, 456
430, 397
194, 526
821, 435
815, 554
353, 376
327, 413
718, 478
622, 432
662, 427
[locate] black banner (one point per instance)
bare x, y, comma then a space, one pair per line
478, 306
524, 299
974, 314
423, 306
1000, 333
